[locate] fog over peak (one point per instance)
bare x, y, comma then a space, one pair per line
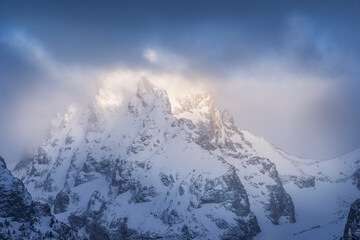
285, 71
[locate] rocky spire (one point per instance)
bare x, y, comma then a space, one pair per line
151, 95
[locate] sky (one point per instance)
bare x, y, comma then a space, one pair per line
286, 70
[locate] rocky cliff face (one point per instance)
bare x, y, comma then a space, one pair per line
356, 177
352, 227
215, 131
21, 217
144, 169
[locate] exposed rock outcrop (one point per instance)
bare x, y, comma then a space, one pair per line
21, 217
352, 227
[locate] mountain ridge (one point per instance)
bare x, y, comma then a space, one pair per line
142, 152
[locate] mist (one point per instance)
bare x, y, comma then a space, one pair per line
287, 72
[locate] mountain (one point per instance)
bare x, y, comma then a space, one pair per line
149, 168
352, 227
23, 218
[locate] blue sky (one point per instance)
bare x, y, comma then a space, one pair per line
287, 70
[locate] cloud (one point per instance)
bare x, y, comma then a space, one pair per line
292, 77
36, 95
62, 85
151, 55
30, 49
273, 97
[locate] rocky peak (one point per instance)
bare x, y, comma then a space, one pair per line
199, 108
144, 87
140, 172
151, 95
147, 88
214, 128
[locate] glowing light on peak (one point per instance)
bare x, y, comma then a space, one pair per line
108, 99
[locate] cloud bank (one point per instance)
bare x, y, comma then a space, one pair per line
286, 71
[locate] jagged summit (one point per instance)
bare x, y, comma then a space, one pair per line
144, 171
144, 87
150, 94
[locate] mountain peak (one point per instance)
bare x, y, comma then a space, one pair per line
145, 86
151, 95
191, 171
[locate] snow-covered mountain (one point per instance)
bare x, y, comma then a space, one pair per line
149, 168
23, 218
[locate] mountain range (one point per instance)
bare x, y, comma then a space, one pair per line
150, 168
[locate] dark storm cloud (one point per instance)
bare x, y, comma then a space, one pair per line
222, 39
216, 30
217, 34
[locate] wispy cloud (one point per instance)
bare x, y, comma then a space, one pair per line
293, 75
151, 55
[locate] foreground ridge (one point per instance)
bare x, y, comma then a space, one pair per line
23, 218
